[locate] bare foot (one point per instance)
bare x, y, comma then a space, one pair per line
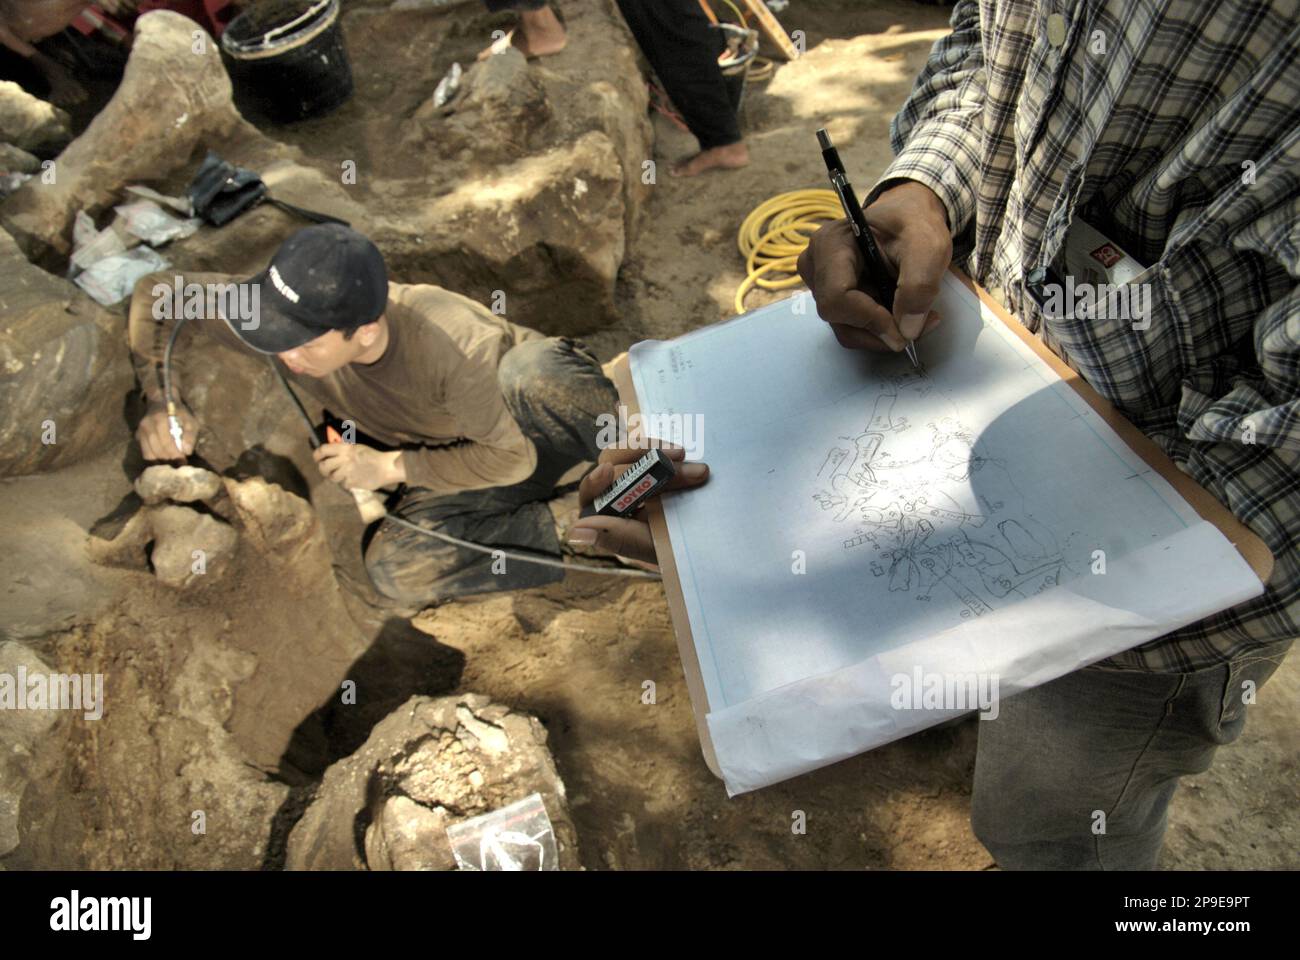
540, 34
729, 157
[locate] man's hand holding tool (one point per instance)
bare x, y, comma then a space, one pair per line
910, 225
156, 437
355, 466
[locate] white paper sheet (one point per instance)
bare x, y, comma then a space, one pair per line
862, 521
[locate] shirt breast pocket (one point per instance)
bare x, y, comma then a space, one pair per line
1123, 339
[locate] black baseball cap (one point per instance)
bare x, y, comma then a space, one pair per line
324, 277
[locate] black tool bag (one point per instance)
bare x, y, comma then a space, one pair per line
221, 191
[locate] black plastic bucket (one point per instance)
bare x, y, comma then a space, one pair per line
287, 58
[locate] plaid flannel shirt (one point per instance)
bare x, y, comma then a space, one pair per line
1174, 128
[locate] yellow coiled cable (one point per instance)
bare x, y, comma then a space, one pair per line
776, 232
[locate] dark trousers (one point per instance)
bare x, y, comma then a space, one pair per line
555, 390
1077, 774
683, 48
496, 6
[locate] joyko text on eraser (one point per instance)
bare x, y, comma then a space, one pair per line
640, 481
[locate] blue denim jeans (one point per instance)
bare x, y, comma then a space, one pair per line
1077, 774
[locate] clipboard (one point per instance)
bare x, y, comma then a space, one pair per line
1251, 548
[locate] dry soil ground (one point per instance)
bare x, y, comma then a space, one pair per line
577, 654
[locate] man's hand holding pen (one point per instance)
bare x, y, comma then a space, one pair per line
910, 225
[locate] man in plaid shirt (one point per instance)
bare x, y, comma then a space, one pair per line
1174, 130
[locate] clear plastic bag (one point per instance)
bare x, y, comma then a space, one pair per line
90, 245
111, 280
515, 838
154, 225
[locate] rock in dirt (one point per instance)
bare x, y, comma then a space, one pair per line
272, 518
500, 114
178, 484
170, 101
428, 765
128, 547
157, 783
18, 734
224, 686
64, 370
409, 836
189, 547
30, 123
553, 216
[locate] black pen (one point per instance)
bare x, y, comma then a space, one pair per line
877, 270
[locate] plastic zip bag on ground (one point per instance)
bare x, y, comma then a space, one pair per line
154, 225
111, 280
515, 838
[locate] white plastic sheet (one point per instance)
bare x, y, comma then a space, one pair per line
112, 279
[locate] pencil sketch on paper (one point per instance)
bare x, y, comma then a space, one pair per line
903, 491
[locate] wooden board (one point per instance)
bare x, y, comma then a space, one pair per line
775, 41
1252, 549
621, 374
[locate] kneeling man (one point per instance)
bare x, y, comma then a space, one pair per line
474, 419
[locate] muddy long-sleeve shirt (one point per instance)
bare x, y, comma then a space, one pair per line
1175, 127
434, 392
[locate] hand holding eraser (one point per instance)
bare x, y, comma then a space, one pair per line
638, 483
